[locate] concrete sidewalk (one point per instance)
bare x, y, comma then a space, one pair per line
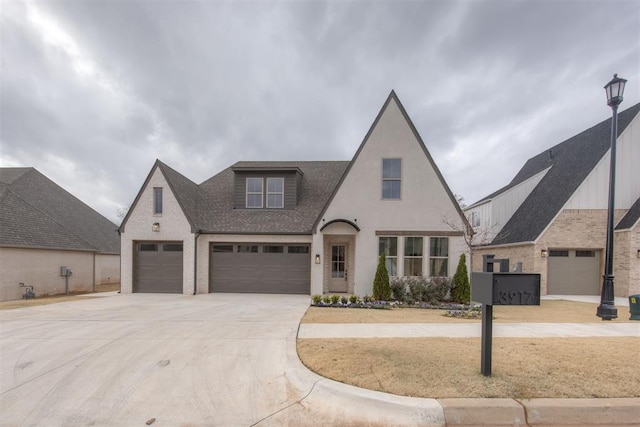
469, 330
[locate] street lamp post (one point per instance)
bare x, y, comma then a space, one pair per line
607, 309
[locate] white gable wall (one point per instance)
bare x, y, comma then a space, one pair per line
423, 205
593, 193
174, 226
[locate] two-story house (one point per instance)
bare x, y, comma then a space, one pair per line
552, 216
308, 227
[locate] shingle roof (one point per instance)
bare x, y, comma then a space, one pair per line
185, 190
217, 214
36, 212
209, 206
631, 217
570, 161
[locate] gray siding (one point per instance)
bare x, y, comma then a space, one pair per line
291, 184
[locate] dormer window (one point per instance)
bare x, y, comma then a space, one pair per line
254, 192
275, 192
270, 187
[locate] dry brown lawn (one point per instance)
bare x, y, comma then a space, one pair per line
45, 300
450, 367
549, 311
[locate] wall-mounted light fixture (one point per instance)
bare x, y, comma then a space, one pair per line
544, 253
638, 253
317, 258
155, 226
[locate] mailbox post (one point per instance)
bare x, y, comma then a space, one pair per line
503, 288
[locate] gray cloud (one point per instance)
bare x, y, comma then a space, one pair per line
202, 84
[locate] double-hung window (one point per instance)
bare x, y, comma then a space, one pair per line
389, 247
391, 179
439, 256
157, 200
475, 219
413, 256
275, 192
254, 192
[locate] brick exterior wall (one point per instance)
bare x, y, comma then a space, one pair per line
627, 263
173, 227
40, 268
576, 229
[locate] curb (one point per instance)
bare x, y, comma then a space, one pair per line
583, 412
618, 412
335, 403
470, 412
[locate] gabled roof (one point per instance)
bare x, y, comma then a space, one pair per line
393, 97
185, 191
570, 163
631, 218
36, 212
209, 207
219, 216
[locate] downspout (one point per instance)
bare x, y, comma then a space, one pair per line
195, 262
94, 272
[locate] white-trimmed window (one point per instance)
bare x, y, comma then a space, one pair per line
275, 192
439, 256
254, 192
157, 200
475, 219
391, 179
389, 247
413, 249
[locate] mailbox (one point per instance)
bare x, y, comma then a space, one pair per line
505, 288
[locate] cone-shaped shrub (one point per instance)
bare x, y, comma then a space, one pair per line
461, 292
381, 287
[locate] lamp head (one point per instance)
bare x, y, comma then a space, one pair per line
615, 90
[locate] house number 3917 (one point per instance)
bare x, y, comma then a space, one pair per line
513, 298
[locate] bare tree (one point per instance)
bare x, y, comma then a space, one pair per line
121, 212
472, 238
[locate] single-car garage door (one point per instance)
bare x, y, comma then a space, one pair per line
573, 272
260, 268
158, 267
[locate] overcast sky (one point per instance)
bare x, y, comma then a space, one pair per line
92, 92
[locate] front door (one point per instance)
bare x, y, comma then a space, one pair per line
339, 272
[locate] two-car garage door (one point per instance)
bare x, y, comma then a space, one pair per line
260, 268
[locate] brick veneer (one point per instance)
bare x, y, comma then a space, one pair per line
576, 229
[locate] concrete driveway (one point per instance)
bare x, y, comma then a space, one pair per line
205, 360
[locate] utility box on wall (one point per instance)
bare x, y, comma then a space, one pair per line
505, 288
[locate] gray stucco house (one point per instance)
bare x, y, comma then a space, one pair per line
296, 227
42, 228
552, 215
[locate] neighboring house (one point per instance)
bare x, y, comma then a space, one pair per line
296, 227
43, 228
552, 216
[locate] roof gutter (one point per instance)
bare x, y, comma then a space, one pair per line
505, 245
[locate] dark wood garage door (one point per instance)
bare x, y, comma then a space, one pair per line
260, 268
158, 267
573, 272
